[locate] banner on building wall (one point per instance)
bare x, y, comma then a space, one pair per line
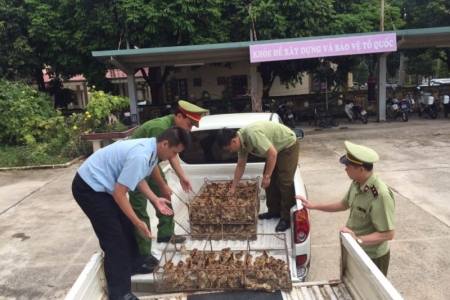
364, 44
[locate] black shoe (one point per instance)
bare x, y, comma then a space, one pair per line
147, 267
282, 226
128, 296
150, 259
173, 239
268, 215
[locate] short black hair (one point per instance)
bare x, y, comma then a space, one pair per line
367, 167
177, 111
225, 136
175, 136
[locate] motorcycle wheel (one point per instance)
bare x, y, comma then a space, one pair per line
405, 116
420, 113
433, 112
364, 119
389, 112
334, 122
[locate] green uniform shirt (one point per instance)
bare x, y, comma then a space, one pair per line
154, 127
257, 137
372, 208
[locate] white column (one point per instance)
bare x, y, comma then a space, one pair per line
381, 100
132, 94
254, 89
85, 94
80, 97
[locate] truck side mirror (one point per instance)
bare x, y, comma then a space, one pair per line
299, 133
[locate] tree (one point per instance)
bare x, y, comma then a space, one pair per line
419, 65
18, 54
285, 19
436, 13
61, 34
364, 16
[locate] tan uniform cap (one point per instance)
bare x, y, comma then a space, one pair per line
358, 155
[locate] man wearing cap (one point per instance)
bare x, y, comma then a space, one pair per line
185, 116
371, 204
280, 146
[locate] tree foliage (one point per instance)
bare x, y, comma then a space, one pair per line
425, 14
270, 20
61, 34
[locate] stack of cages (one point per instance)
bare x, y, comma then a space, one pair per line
211, 211
203, 263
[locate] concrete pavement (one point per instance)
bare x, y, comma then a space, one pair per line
45, 239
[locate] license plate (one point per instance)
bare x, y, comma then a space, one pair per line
290, 116
404, 106
364, 112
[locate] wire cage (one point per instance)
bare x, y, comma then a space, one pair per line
212, 206
204, 263
224, 231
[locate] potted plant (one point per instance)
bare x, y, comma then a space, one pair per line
101, 124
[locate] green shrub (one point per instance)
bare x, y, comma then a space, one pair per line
22, 110
42, 135
100, 112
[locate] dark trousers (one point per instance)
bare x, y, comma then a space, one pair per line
138, 201
382, 262
115, 233
280, 193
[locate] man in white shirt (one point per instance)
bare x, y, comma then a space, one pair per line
100, 188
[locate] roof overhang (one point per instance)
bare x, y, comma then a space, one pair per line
131, 59
438, 37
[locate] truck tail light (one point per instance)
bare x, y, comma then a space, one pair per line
301, 259
301, 225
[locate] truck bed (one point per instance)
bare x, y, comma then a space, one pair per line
333, 290
182, 227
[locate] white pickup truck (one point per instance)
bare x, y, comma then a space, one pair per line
360, 278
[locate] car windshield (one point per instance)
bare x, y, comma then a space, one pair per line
204, 150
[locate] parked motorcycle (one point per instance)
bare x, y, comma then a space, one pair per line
355, 112
396, 108
446, 104
286, 114
167, 110
410, 101
428, 105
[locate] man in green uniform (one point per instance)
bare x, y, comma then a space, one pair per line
371, 204
280, 146
185, 116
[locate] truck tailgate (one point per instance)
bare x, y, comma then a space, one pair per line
333, 290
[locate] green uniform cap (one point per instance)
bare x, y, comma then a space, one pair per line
191, 110
358, 155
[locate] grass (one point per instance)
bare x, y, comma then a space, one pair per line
18, 156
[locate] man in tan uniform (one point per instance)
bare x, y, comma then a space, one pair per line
280, 146
371, 204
